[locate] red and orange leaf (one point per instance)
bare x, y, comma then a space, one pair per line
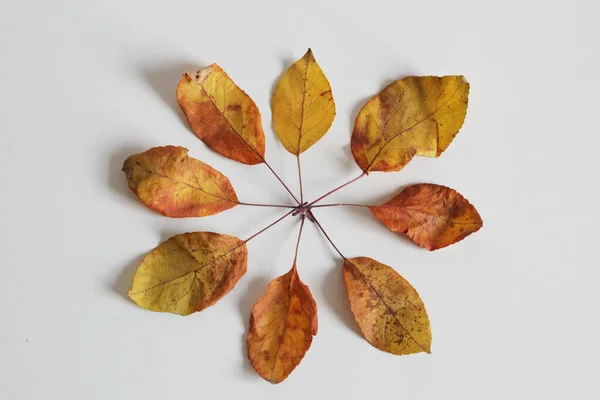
222, 114
168, 181
432, 216
189, 272
415, 115
282, 325
389, 311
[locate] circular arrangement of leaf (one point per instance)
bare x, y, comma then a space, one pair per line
189, 272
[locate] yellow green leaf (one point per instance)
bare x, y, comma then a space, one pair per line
222, 115
189, 272
282, 325
302, 105
388, 309
168, 181
415, 115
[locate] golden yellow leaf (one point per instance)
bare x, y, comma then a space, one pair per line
414, 115
189, 272
222, 114
168, 181
432, 216
282, 325
302, 105
388, 309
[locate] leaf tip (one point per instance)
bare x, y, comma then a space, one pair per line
309, 54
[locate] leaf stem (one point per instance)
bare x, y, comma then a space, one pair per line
340, 204
300, 179
241, 203
280, 180
267, 227
336, 189
298, 242
329, 239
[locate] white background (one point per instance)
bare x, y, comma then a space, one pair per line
513, 307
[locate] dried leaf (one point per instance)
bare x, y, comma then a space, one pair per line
414, 115
222, 115
388, 309
432, 216
302, 105
168, 181
282, 325
189, 272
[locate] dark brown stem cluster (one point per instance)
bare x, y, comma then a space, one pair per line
304, 209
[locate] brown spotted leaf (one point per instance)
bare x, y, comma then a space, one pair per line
389, 311
415, 115
222, 114
189, 272
282, 325
432, 216
168, 181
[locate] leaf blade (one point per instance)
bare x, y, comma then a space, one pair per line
432, 216
282, 325
412, 116
189, 272
222, 115
389, 311
302, 105
167, 180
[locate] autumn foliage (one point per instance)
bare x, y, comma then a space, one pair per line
191, 271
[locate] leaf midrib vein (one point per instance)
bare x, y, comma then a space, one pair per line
191, 186
410, 127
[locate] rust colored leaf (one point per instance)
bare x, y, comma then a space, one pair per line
302, 104
282, 325
168, 181
415, 115
222, 114
389, 311
432, 216
189, 272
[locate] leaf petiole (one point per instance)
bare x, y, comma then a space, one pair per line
268, 226
336, 189
300, 176
241, 203
340, 204
298, 242
316, 221
280, 180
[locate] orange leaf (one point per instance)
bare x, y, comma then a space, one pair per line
222, 114
168, 181
415, 115
432, 216
389, 311
282, 325
189, 272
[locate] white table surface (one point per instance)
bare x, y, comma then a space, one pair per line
514, 307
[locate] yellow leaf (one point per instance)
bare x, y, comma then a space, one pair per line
189, 272
222, 114
168, 181
388, 309
414, 115
302, 105
282, 325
